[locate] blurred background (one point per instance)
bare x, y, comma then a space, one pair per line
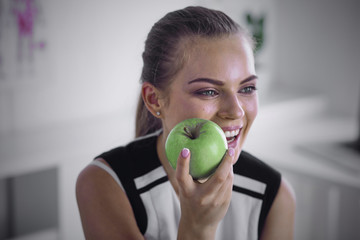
69, 83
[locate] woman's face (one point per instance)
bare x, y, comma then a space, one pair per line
217, 83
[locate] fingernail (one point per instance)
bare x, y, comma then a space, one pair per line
231, 152
185, 152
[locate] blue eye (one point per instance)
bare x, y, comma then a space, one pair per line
207, 93
248, 90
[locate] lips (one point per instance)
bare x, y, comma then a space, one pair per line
232, 135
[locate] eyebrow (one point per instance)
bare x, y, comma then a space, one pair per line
221, 83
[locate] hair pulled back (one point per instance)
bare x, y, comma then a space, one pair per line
163, 54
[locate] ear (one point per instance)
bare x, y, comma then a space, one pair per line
151, 96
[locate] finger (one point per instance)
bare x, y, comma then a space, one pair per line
226, 189
220, 193
182, 168
224, 169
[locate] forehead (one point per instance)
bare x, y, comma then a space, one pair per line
224, 57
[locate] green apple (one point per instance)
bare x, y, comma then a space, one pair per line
206, 142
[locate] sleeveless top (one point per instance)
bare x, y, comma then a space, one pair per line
138, 171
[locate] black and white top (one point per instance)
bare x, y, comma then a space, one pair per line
138, 171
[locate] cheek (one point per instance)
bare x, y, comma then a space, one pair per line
207, 111
196, 111
185, 108
178, 110
252, 110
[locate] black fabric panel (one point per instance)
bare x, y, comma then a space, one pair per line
130, 162
153, 184
248, 192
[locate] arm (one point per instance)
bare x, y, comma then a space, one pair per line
204, 205
104, 208
279, 224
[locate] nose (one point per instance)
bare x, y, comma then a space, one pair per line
231, 107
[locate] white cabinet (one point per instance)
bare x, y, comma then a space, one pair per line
325, 209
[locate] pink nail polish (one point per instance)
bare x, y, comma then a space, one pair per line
231, 152
185, 152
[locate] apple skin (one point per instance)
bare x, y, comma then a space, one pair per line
207, 149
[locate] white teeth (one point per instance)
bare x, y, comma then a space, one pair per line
230, 134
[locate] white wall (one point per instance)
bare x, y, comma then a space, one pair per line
318, 50
92, 62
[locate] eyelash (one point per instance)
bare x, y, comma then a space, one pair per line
248, 90
212, 93
206, 92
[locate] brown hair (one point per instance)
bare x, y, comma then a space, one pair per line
162, 57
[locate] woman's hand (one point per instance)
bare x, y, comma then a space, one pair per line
204, 205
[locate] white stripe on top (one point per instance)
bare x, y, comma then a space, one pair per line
150, 177
240, 181
249, 184
142, 181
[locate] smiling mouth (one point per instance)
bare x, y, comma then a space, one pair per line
231, 135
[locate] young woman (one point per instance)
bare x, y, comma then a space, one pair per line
197, 63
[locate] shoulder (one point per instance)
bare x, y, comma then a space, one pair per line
127, 162
285, 200
286, 195
280, 220
104, 206
94, 181
89, 177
